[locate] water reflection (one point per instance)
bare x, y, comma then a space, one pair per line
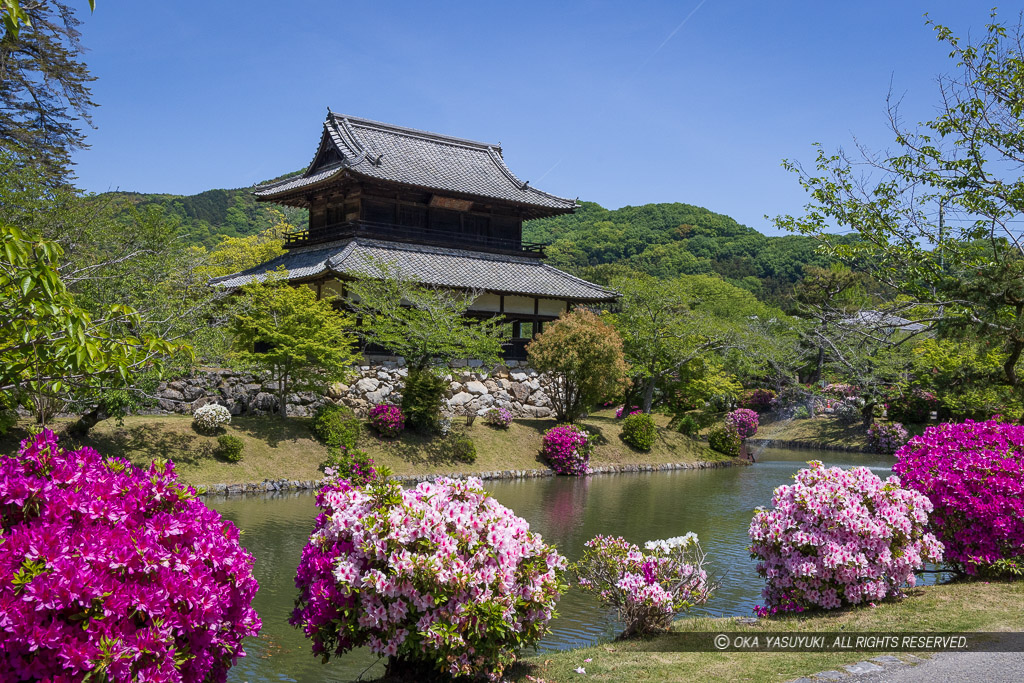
716, 504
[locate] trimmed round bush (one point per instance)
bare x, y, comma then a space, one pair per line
462, 448
646, 588
744, 421
107, 568
388, 420
211, 417
639, 431
886, 437
336, 426
229, 448
498, 417
688, 425
567, 449
973, 473
724, 439
439, 578
840, 537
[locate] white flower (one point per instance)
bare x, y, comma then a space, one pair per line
211, 416
580, 670
675, 542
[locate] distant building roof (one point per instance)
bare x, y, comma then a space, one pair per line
431, 161
454, 268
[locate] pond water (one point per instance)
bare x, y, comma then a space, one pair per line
716, 504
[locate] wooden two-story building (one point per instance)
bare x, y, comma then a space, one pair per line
444, 210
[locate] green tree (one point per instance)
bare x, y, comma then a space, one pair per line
828, 297
936, 220
301, 341
44, 86
584, 354
50, 345
235, 254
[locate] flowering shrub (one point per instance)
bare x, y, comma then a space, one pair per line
647, 589
847, 410
353, 465
210, 417
724, 439
887, 437
759, 400
915, 406
498, 417
744, 421
442, 576
387, 420
567, 449
840, 537
639, 431
621, 412
974, 475
108, 570
839, 390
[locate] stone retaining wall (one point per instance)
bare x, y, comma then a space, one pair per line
472, 389
282, 485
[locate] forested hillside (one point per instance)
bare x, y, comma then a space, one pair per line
671, 239
663, 240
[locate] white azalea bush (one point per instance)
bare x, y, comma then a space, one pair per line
211, 417
647, 588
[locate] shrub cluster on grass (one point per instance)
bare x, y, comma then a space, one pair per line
117, 570
498, 417
388, 420
646, 588
211, 417
973, 473
353, 465
887, 437
639, 431
462, 448
724, 439
688, 425
229, 448
440, 577
744, 421
336, 426
567, 449
840, 537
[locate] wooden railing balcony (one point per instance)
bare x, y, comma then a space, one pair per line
403, 233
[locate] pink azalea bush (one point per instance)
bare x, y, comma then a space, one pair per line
388, 420
759, 400
887, 437
567, 449
744, 421
840, 537
115, 572
647, 588
498, 417
973, 473
621, 411
441, 577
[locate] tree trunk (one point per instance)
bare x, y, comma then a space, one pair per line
282, 398
868, 413
648, 397
82, 425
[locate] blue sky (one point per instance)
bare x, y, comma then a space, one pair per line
615, 102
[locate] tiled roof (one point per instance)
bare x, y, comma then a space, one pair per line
413, 157
455, 268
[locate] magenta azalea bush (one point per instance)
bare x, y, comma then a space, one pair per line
744, 421
114, 572
646, 588
973, 473
621, 411
759, 400
840, 537
388, 420
567, 449
887, 437
438, 577
498, 417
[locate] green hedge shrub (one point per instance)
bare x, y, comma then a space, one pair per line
724, 439
421, 401
688, 425
336, 426
639, 431
462, 448
229, 448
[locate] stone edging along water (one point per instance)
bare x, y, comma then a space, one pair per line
271, 485
807, 445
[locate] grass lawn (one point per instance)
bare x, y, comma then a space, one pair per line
286, 449
951, 608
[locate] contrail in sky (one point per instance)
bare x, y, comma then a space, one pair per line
674, 31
